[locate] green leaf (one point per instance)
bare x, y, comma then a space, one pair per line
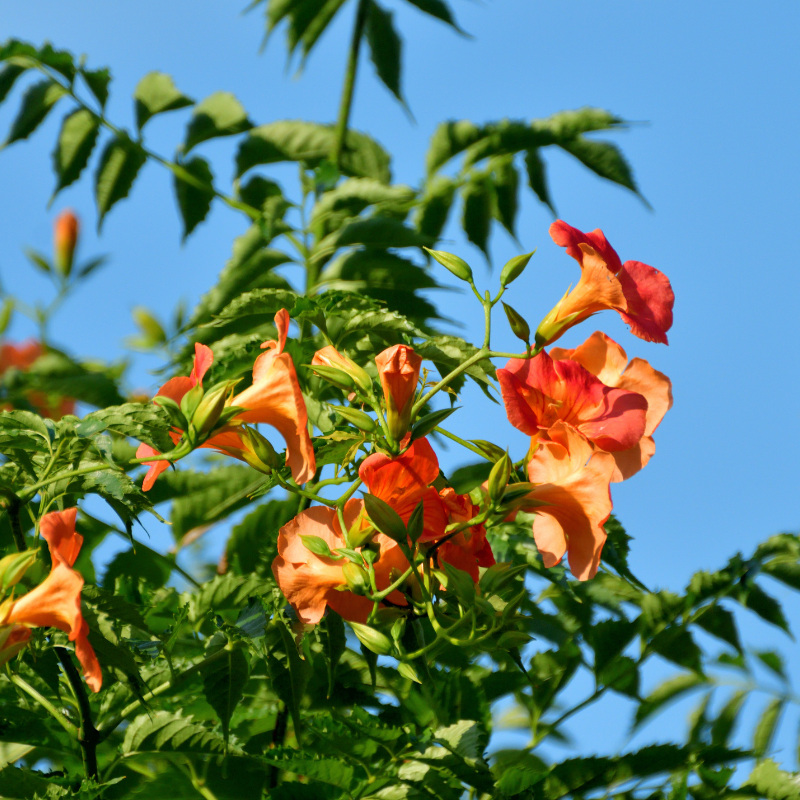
37, 103
325, 770
678, 645
723, 725
609, 638
604, 159
476, 219
311, 143
448, 140
308, 20
143, 421
438, 9
621, 675
435, 206
385, 518
785, 571
98, 80
165, 731
465, 479
75, 144
155, 94
720, 622
537, 177
119, 165
194, 201
669, 690
223, 684
772, 661
8, 77
769, 781
316, 545
113, 606
18, 724
447, 352
380, 322
506, 190
767, 607
220, 114
262, 302
385, 47
222, 592
767, 727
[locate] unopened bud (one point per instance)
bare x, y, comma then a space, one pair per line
357, 578
492, 451
358, 418
373, 640
13, 567
191, 400
456, 265
358, 536
66, 230
337, 377
208, 410
173, 410
258, 451
330, 357
514, 268
498, 478
519, 326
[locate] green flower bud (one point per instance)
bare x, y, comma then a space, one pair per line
258, 451
358, 418
173, 410
514, 268
208, 410
456, 265
337, 377
519, 326
191, 400
373, 640
357, 578
498, 478
13, 567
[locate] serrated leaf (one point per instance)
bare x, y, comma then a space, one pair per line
143, 421
438, 9
75, 143
766, 606
308, 20
37, 103
165, 731
476, 218
98, 80
721, 623
8, 77
194, 201
506, 189
325, 770
669, 690
155, 94
311, 143
259, 302
119, 165
435, 206
537, 177
769, 781
604, 159
385, 47
220, 114
723, 725
223, 684
767, 727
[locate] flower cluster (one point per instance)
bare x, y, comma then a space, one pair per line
54, 603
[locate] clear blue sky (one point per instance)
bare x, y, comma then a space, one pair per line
713, 88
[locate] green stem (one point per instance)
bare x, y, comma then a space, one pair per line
30, 491
59, 717
474, 359
303, 493
88, 737
462, 442
378, 596
349, 82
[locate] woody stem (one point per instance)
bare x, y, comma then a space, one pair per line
88, 737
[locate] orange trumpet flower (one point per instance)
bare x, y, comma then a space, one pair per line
312, 582
274, 398
468, 549
539, 392
605, 359
640, 293
56, 602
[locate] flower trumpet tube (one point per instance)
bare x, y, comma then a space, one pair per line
56, 602
398, 368
330, 357
641, 294
274, 398
65, 239
605, 359
572, 500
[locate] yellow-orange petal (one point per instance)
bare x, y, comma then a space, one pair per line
156, 467
574, 482
58, 530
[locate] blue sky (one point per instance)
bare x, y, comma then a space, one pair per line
712, 90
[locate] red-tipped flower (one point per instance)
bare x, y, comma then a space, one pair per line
398, 367
65, 239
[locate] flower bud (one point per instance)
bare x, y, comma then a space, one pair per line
358, 536
514, 268
258, 452
13, 567
12, 639
208, 410
498, 478
331, 357
173, 411
493, 451
373, 640
66, 230
519, 326
337, 377
456, 265
358, 418
191, 400
551, 327
398, 367
357, 578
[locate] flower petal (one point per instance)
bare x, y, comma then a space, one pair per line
156, 467
649, 299
58, 530
565, 235
203, 359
